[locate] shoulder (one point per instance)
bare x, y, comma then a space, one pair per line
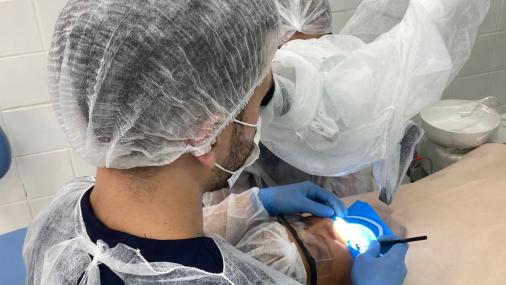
236, 261
58, 222
64, 204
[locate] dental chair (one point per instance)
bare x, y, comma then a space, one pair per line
12, 268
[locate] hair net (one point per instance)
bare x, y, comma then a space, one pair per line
58, 250
310, 17
140, 82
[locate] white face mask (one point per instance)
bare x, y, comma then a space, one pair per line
253, 156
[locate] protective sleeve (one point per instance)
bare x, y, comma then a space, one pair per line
235, 215
269, 243
242, 220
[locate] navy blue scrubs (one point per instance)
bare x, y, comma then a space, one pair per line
200, 252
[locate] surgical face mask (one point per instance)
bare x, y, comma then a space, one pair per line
253, 156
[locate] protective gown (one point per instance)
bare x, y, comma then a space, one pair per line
58, 250
343, 102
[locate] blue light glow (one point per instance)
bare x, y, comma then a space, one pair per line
357, 235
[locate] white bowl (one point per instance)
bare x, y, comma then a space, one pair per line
459, 123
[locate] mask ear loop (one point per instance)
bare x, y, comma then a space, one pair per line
240, 123
245, 124
223, 169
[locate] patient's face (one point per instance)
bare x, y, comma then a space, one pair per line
330, 251
300, 36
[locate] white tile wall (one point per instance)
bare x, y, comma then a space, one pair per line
485, 73
11, 186
470, 87
81, 167
23, 80
42, 162
44, 174
481, 57
499, 57
502, 24
25, 37
497, 86
491, 22
48, 11
33, 129
14, 216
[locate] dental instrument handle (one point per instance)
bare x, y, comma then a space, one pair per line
392, 242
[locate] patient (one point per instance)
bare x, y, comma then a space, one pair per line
326, 247
280, 244
305, 248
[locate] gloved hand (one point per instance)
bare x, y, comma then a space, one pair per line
300, 198
371, 269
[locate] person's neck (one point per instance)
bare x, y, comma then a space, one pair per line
162, 206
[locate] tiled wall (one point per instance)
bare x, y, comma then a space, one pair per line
42, 160
485, 73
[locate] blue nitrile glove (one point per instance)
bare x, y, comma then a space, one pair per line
304, 197
385, 249
370, 268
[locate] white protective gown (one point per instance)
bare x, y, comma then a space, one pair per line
57, 248
343, 102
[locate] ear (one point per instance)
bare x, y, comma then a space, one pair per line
208, 159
